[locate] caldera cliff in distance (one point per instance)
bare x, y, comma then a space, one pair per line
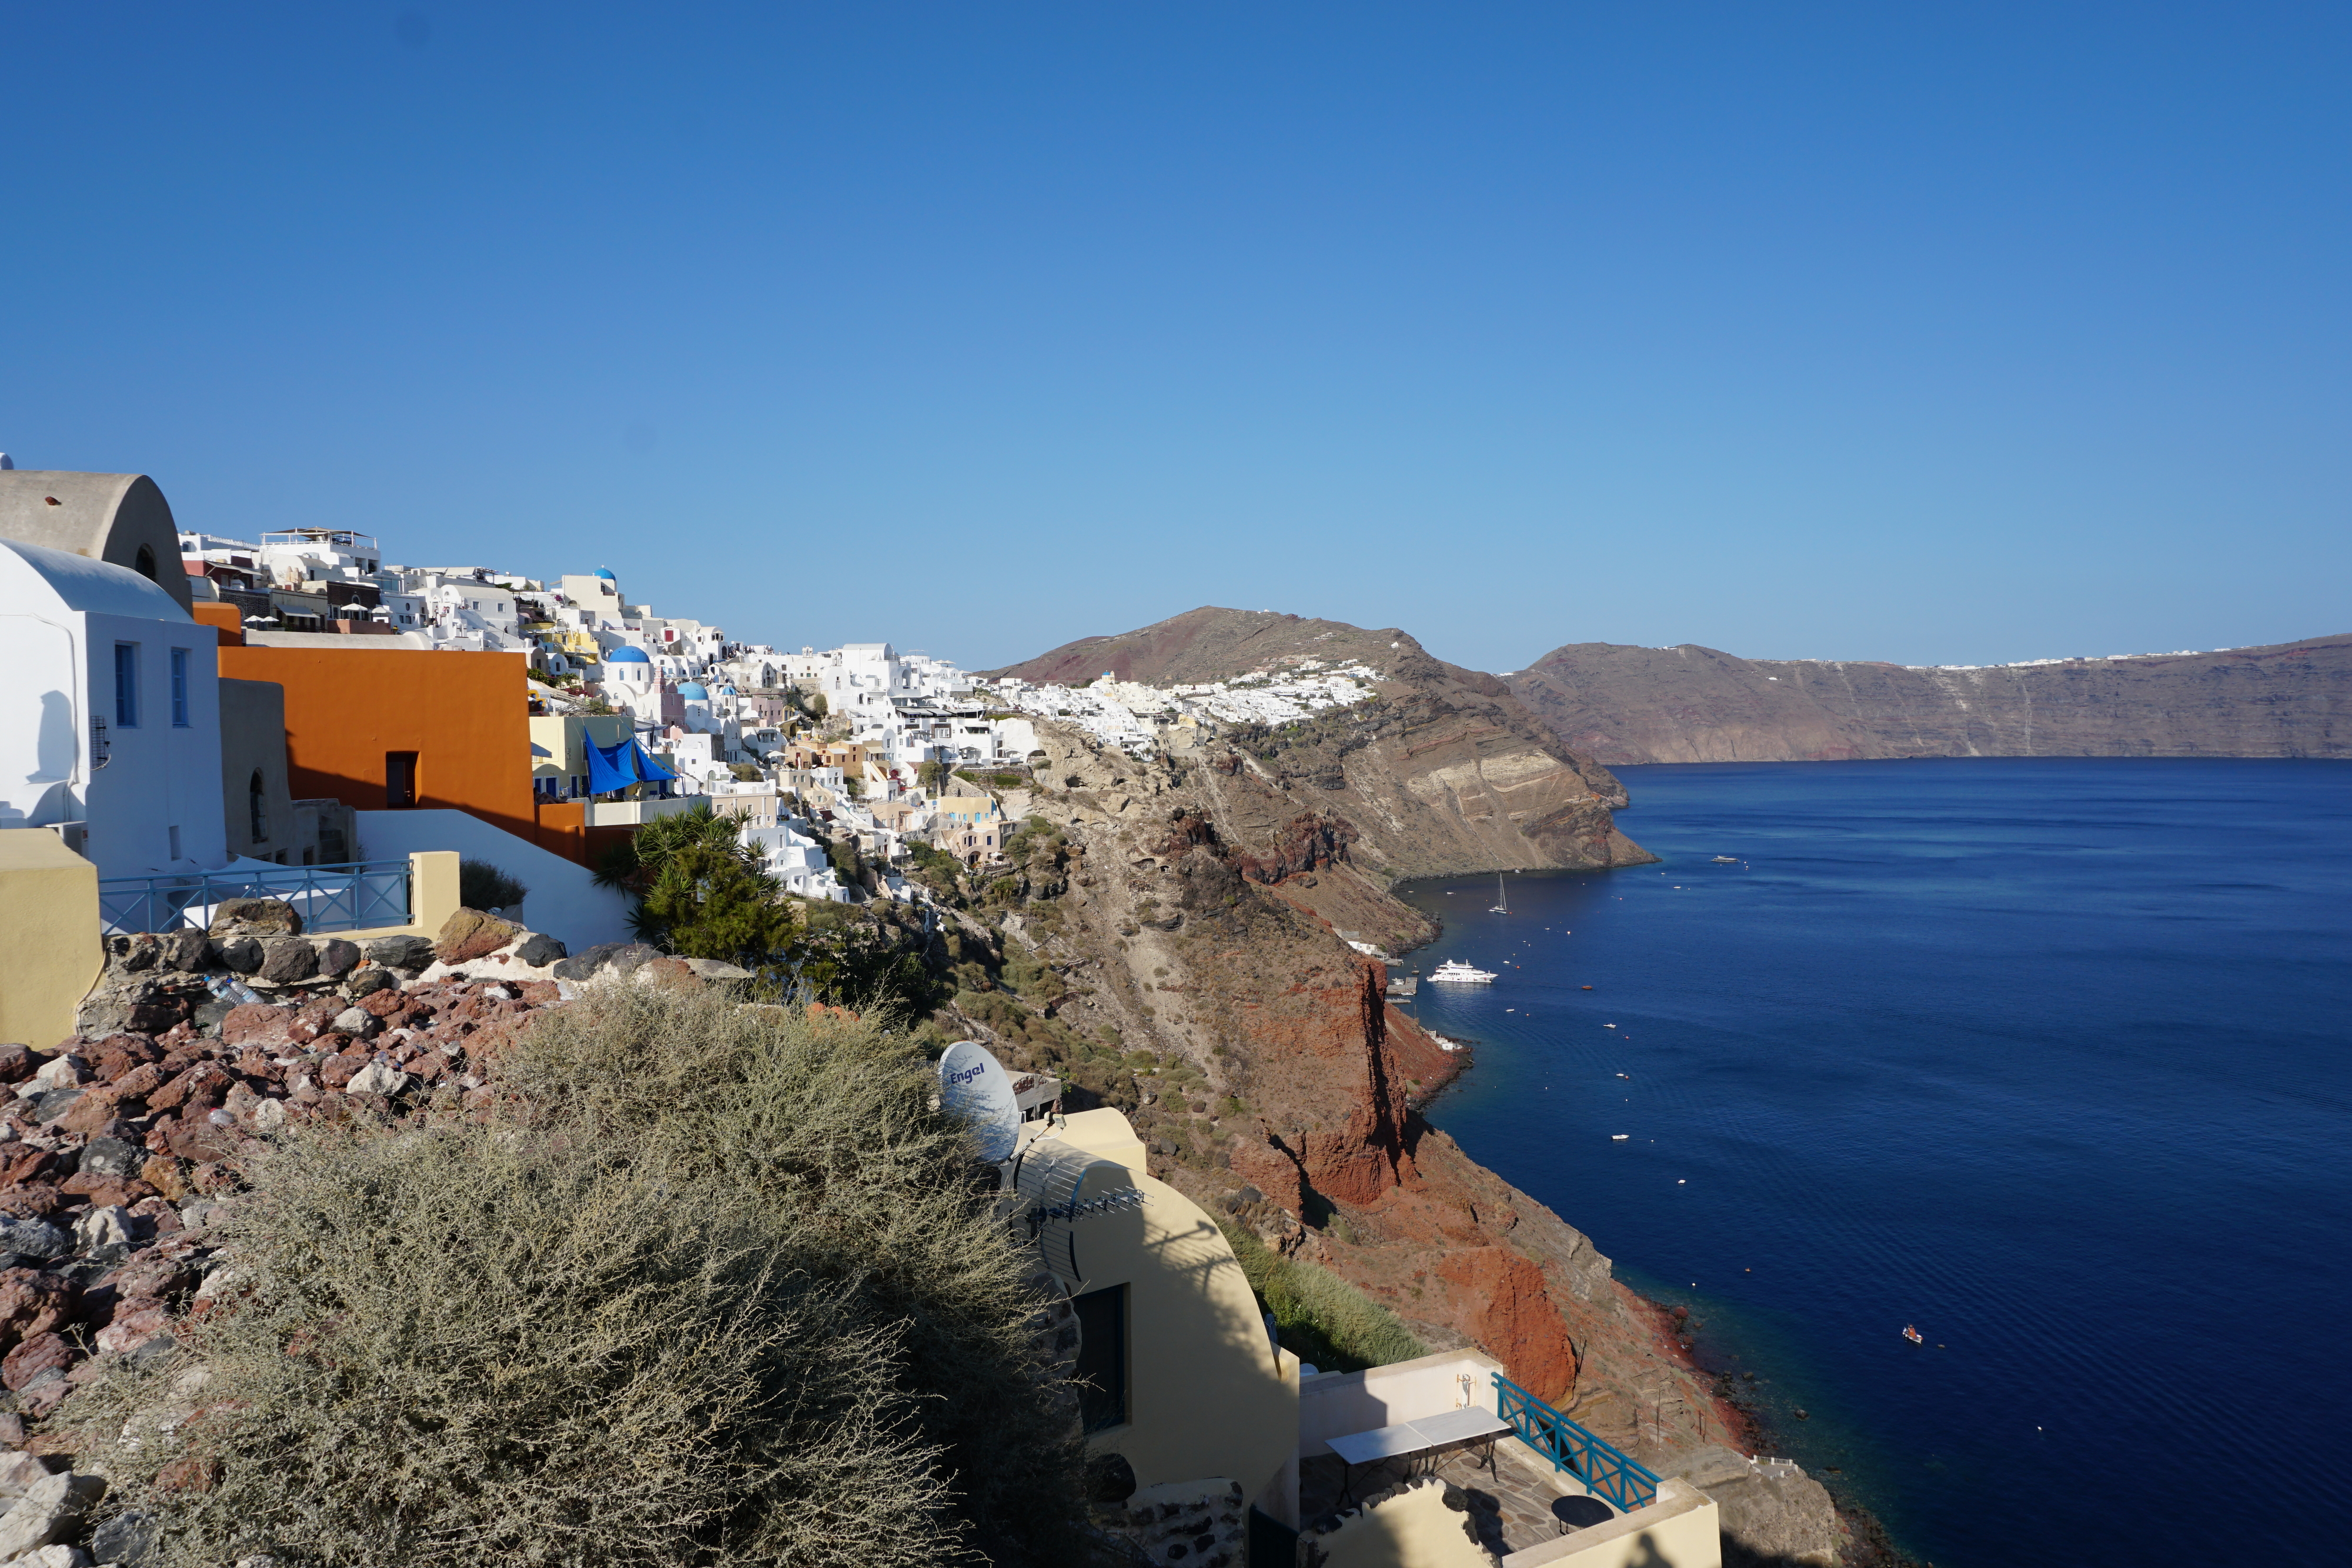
1625, 704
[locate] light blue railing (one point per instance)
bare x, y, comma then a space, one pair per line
1604, 1471
328, 897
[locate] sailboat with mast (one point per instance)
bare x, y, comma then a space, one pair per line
1502, 899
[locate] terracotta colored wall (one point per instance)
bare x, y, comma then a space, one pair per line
466, 717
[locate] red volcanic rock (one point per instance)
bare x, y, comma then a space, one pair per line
33, 1200
470, 933
34, 1355
205, 1084
31, 1304
16, 1063
1503, 1305
384, 1004
27, 1167
339, 1071
135, 1321
257, 1023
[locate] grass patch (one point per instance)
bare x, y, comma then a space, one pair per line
1318, 1316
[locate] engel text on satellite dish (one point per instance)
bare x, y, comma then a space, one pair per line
973, 1087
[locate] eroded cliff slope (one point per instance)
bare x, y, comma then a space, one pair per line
1630, 704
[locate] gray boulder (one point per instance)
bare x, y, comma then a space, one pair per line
358, 1022
255, 918
537, 948
111, 1157
368, 982
286, 959
401, 952
128, 1539
239, 955
188, 951
32, 1238
620, 957
338, 958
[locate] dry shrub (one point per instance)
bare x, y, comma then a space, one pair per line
726, 1294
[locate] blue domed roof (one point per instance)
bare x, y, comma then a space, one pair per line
692, 692
627, 655
724, 690
605, 574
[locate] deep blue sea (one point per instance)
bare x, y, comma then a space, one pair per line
2050, 1058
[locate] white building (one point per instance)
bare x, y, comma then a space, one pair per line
109, 714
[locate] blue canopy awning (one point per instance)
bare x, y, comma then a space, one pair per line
618, 766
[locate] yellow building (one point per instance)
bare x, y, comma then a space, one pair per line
1183, 1381
559, 757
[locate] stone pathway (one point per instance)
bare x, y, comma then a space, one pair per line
1512, 1504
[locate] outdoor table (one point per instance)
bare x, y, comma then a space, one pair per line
1420, 1437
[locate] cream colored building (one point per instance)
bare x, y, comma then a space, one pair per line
1188, 1387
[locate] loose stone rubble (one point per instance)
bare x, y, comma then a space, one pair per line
117, 1145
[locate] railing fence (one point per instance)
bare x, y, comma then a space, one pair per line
351, 897
1604, 1469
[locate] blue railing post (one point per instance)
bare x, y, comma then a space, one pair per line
1603, 1468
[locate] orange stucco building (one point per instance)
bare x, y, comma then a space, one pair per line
382, 728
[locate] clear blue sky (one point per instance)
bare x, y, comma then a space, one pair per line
1936, 334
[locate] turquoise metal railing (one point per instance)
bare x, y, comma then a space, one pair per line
1606, 1472
328, 897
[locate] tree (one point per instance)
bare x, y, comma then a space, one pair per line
707, 903
931, 775
817, 707
853, 785
698, 892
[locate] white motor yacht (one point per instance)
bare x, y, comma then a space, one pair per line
1453, 971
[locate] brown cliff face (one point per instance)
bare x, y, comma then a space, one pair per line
1630, 704
1201, 931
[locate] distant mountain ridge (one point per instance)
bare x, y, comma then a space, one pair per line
1623, 705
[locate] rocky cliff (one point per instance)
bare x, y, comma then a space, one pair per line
1175, 939
1444, 771
1630, 704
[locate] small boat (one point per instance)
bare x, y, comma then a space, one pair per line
1619, 1137
1726, 860
1912, 1335
1454, 972
1502, 900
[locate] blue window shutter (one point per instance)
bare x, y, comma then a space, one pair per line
126, 684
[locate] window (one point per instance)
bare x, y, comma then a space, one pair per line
179, 689
257, 806
1102, 1358
399, 779
145, 565
126, 685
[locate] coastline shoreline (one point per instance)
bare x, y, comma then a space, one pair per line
1744, 1426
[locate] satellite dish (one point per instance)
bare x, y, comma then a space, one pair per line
974, 1089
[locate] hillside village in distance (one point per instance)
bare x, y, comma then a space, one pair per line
803, 745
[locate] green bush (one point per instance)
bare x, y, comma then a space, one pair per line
1319, 1316
481, 885
726, 1293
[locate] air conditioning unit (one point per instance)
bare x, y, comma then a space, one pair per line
76, 835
